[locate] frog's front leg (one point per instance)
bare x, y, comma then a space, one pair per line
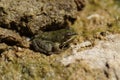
66, 43
42, 46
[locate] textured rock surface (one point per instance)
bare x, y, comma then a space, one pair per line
32, 15
104, 56
98, 63
22, 19
12, 38
85, 61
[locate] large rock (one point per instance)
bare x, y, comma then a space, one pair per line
28, 16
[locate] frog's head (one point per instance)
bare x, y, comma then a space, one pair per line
70, 33
69, 36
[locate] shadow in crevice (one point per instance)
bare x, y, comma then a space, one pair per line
57, 26
9, 42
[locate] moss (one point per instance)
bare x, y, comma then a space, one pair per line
87, 28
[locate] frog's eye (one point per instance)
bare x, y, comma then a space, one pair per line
71, 33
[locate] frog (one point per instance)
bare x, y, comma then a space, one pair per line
50, 42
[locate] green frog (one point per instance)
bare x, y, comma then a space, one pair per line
53, 41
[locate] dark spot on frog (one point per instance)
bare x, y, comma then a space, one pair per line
52, 41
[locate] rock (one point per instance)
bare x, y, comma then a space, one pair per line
28, 16
102, 59
3, 47
12, 38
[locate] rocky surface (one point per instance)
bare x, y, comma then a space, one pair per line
21, 20
93, 55
12, 38
104, 56
28, 16
100, 62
